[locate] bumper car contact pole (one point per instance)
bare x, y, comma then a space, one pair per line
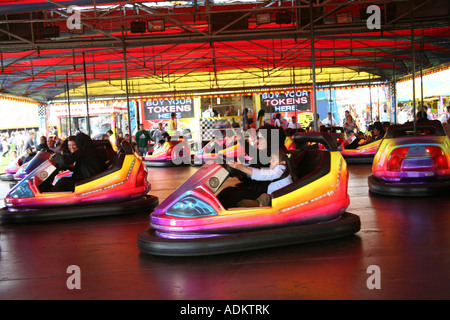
126, 81
313, 62
413, 57
86, 96
68, 104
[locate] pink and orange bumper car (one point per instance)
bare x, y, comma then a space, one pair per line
230, 151
363, 154
122, 189
171, 153
192, 221
27, 168
412, 162
229, 145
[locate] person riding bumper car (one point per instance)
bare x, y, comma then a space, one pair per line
169, 154
359, 148
192, 221
363, 154
121, 189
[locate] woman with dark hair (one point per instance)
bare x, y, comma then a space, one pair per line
280, 174
277, 122
269, 142
87, 159
245, 118
350, 125
268, 138
64, 146
260, 120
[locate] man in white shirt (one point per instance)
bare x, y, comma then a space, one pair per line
384, 117
311, 125
402, 116
294, 124
329, 121
158, 134
208, 113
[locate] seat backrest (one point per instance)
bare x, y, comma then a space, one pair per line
307, 162
431, 127
308, 165
126, 147
116, 166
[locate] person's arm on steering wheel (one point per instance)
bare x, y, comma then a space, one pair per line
239, 166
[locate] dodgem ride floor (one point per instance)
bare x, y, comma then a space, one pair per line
403, 246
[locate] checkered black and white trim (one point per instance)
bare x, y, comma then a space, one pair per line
207, 127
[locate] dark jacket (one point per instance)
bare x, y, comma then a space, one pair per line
88, 160
43, 147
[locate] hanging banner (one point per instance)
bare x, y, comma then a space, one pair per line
286, 101
133, 120
161, 109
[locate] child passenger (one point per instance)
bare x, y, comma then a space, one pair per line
279, 173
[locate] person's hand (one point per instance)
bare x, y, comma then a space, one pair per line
232, 164
237, 165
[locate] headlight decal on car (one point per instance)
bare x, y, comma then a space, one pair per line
22, 190
191, 207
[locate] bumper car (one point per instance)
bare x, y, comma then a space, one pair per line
363, 154
211, 152
122, 189
193, 222
337, 133
412, 163
28, 167
171, 153
289, 143
12, 168
227, 145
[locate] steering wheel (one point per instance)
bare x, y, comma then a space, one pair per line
233, 172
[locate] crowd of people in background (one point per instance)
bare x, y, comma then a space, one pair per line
17, 142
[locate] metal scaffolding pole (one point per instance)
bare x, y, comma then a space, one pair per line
421, 71
313, 62
370, 96
394, 92
413, 55
126, 82
68, 104
86, 96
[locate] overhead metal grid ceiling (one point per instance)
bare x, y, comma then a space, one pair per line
212, 46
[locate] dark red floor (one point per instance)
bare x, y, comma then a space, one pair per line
408, 239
